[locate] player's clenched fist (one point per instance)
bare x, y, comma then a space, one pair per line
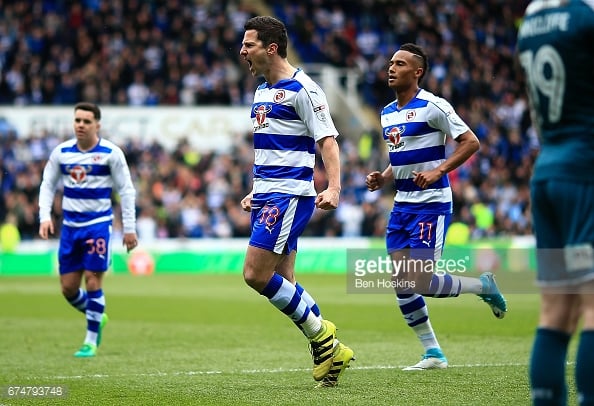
374, 181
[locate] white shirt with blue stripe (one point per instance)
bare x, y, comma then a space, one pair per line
416, 138
289, 117
88, 179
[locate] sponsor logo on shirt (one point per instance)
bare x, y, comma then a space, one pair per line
393, 134
260, 112
320, 112
78, 173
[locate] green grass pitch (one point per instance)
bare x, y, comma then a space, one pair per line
211, 340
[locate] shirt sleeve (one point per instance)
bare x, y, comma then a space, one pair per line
312, 107
444, 117
47, 189
120, 173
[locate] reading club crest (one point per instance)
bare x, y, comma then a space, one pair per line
279, 96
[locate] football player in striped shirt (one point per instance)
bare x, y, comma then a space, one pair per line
290, 117
88, 168
415, 126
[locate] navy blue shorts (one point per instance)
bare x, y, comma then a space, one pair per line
564, 227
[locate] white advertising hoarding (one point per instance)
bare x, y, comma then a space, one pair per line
207, 128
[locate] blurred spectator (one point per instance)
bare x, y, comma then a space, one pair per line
125, 53
182, 193
138, 91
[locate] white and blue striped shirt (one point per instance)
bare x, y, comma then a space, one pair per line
416, 137
88, 179
289, 117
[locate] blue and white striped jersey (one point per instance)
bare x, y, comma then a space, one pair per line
88, 179
416, 136
289, 118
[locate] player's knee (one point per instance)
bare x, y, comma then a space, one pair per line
560, 312
69, 290
253, 279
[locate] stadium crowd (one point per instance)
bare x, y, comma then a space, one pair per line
186, 53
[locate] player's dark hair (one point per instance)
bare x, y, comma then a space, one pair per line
418, 51
92, 107
270, 31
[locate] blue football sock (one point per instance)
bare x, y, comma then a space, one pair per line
79, 301
285, 297
584, 368
308, 299
310, 302
547, 367
95, 310
444, 286
415, 313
